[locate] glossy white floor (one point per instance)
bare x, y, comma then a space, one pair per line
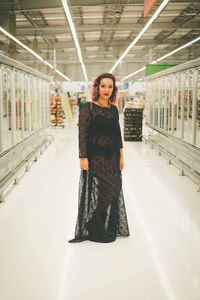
159, 261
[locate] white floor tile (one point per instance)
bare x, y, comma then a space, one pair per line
160, 260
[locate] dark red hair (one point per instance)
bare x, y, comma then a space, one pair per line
96, 83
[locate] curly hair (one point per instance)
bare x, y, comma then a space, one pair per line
95, 87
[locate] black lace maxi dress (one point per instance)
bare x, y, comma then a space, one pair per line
101, 208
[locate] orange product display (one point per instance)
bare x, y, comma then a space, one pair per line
57, 111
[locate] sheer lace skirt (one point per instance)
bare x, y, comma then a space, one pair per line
101, 207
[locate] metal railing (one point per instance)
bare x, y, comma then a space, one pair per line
185, 158
20, 157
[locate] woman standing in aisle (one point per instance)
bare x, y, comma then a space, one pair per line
101, 212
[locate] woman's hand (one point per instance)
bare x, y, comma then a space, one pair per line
121, 163
84, 165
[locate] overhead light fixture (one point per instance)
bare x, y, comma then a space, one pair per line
23, 45
134, 73
164, 56
71, 24
48, 64
62, 75
178, 49
161, 7
32, 52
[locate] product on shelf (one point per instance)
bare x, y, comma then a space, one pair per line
56, 110
133, 116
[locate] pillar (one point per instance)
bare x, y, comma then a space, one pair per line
35, 48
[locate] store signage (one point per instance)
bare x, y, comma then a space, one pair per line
126, 85
148, 5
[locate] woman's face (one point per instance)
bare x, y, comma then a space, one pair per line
105, 88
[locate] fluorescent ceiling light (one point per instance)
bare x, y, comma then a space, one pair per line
71, 24
166, 55
21, 44
48, 64
32, 52
161, 7
62, 75
178, 49
134, 73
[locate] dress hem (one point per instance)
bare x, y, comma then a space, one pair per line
87, 238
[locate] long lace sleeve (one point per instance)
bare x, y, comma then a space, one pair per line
119, 130
83, 128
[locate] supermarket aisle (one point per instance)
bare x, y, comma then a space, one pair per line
160, 261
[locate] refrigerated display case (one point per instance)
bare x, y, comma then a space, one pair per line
173, 97
24, 101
